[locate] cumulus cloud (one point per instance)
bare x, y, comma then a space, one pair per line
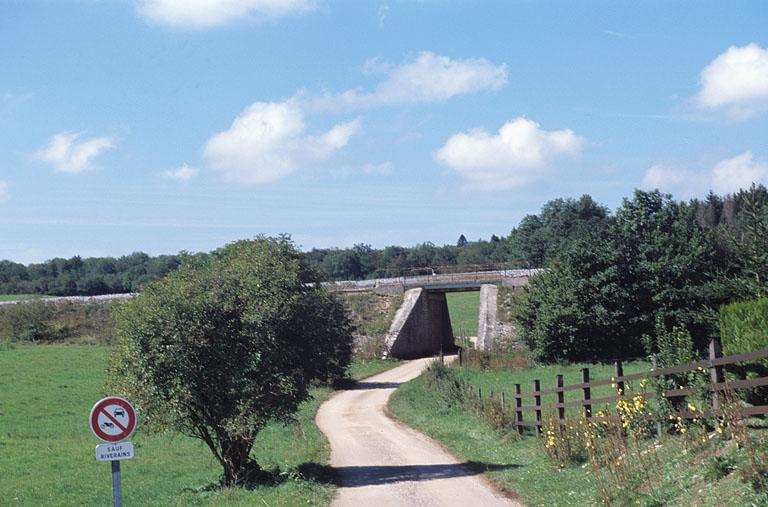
70, 153
518, 154
726, 177
736, 82
5, 194
427, 78
212, 13
268, 141
182, 173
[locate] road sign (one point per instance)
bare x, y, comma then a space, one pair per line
114, 452
113, 419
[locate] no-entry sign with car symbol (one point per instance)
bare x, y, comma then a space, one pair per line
113, 419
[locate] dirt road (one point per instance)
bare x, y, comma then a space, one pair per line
383, 463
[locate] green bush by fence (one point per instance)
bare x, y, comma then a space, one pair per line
744, 326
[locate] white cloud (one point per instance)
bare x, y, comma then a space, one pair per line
5, 194
383, 169
382, 14
736, 82
267, 141
727, 176
427, 78
520, 153
182, 173
739, 172
212, 13
68, 153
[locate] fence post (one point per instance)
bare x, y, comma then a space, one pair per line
537, 402
480, 393
618, 372
586, 393
659, 428
461, 353
442, 357
560, 398
502, 401
715, 372
518, 409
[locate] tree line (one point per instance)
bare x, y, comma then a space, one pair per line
654, 268
539, 240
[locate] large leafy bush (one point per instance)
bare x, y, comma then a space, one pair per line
228, 343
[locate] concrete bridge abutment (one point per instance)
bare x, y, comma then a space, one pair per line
421, 327
486, 328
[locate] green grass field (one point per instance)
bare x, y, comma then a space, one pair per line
21, 297
498, 381
464, 309
47, 449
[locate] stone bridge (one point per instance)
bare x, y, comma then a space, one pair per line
422, 325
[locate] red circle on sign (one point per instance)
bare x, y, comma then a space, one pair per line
113, 419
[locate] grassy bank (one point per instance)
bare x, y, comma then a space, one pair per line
46, 448
464, 309
498, 381
518, 466
21, 297
682, 475
363, 368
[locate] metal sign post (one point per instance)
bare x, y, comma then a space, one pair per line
113, 420
117, 491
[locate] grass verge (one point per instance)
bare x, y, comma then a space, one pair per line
684, 475
364, 368
517, 466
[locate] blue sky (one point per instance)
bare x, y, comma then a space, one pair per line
168, 125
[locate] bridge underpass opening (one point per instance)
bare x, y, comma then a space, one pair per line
463, 310
423, 324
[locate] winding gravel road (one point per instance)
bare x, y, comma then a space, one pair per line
381, 462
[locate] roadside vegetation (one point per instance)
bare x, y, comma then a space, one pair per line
696, 466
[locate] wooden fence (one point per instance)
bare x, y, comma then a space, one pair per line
714, 364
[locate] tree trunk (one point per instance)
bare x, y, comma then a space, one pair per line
234, 455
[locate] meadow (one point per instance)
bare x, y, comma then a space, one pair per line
47, 448
464, 308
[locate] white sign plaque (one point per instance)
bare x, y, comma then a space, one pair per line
114, 452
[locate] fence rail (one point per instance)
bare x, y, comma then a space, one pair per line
714, 365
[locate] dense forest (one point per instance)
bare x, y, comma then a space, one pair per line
559, 231
655, 270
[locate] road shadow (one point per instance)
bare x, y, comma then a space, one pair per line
359, 386
355, 476
347, 384
358, 476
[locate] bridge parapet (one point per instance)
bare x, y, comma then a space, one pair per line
438, 282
